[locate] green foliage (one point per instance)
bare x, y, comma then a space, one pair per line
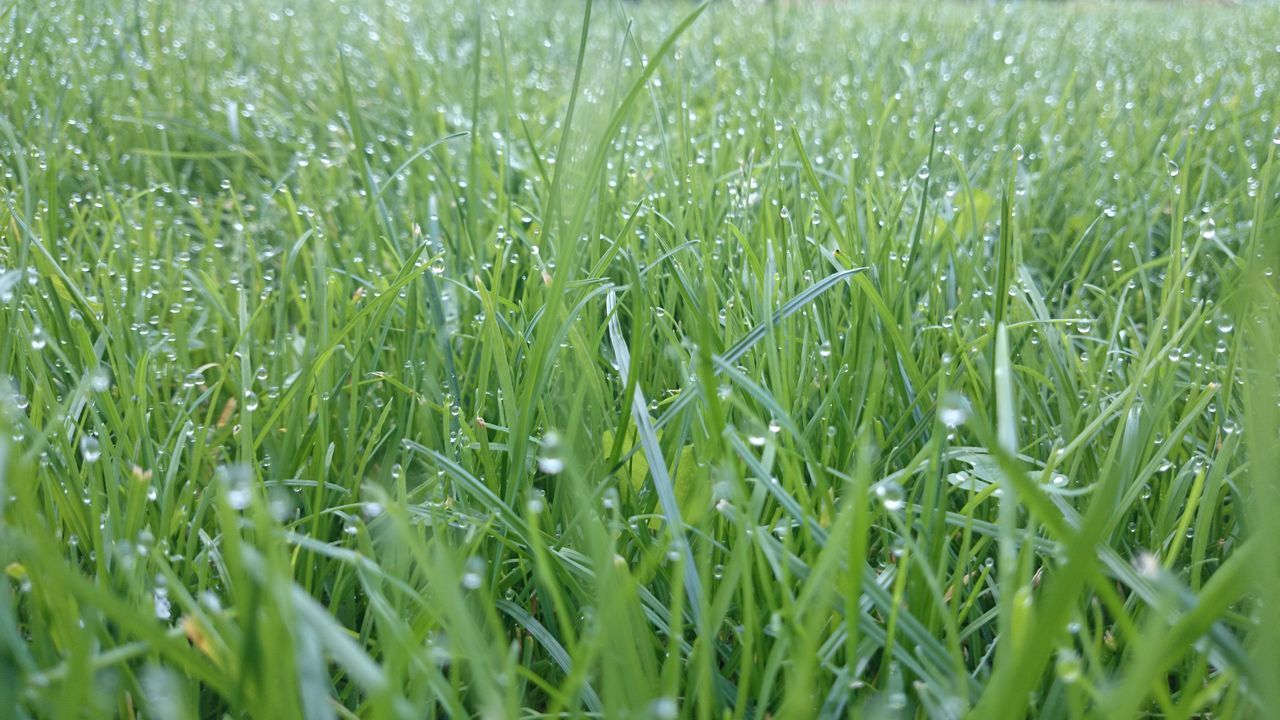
404, 360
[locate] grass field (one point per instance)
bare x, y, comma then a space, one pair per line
562, 359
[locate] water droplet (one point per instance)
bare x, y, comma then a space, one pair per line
923, 172
610, 499
953, 409
237, 479
100, 379
1147, 565
824, 350
890, 495
162, 605
473, 574
250, 401
1018, 153
549, 461
38, 338
664, 708
1069, 666
90, 449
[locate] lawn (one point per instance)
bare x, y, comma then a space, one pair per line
448, 359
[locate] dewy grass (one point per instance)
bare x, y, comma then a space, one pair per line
535, 359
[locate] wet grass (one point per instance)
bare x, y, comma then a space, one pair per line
652, 360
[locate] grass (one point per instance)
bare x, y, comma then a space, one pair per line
638, 360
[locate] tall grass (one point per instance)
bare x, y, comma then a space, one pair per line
656, 360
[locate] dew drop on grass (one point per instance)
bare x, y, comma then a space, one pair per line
953, 409
1147, 565
237, 479
923, 172
163, 607
1018, 153
664, 708
824, 350
898, 547
250, 401
1069, 666
890, 495
549, 461
38, 338
100, 379
775, 427
438, 649
473, 574
90, 449
1173, 169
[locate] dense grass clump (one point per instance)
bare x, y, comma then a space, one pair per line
447, 359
